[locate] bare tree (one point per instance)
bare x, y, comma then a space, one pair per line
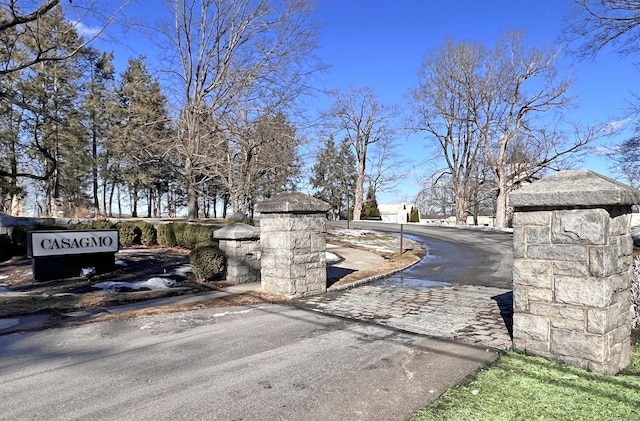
236, 59
387, 170
443, 103
437, 197
507, 101
594, 24
518, 111
358, 114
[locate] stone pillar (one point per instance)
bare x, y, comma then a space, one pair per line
241, 245
292, 241
572, 270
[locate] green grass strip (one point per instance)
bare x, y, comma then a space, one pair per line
521, 387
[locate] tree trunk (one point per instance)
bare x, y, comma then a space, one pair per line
462, 206
119, 202
359, 193
94, 173
501, 203
134, 201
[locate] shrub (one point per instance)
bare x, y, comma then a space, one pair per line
166, 235
191, 236
136, 233
246, 220
147, 233
207, 263
100, 224
128, 233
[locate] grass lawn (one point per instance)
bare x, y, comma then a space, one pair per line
520, 387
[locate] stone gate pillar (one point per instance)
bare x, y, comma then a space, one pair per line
292, 244
572, 269
241, 245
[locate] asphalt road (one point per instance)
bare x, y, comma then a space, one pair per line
272, 362
467, 256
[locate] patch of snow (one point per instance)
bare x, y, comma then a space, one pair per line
86, 272
350, 232
332, 258
229, 313
382, 249
121, 263
155, 283
183, 270
4, 276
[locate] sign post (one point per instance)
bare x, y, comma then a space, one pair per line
402, 219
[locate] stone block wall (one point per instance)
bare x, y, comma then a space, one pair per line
292, 244
572, 270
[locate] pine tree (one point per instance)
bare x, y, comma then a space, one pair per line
370, 207
139, 140
334, 176
99, 106
59, 142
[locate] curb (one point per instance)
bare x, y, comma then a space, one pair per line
370, 278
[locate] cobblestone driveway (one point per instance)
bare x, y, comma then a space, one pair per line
472, 314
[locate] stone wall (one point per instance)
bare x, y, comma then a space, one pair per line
572, 270
292, 244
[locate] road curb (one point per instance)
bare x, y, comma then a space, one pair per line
370, 278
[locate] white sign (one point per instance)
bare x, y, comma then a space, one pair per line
402, 216
59, 243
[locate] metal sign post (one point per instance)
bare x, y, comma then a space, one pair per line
402, 219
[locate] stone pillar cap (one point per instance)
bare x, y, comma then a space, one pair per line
292, 202
583, 188
237, 231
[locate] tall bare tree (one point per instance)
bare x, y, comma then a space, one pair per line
358, 114
234, 58
443, 102
510, 102
519, 115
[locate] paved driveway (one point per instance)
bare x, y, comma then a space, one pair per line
270, 362
461, 290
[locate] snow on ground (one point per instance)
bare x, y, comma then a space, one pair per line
375, 241
154, 283
183, 270
345, 232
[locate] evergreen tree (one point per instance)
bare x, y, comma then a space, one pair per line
99, 106
58, 140
138, 141
370, 207
333, 176
414, 216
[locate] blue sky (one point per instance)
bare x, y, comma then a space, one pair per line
380, 44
